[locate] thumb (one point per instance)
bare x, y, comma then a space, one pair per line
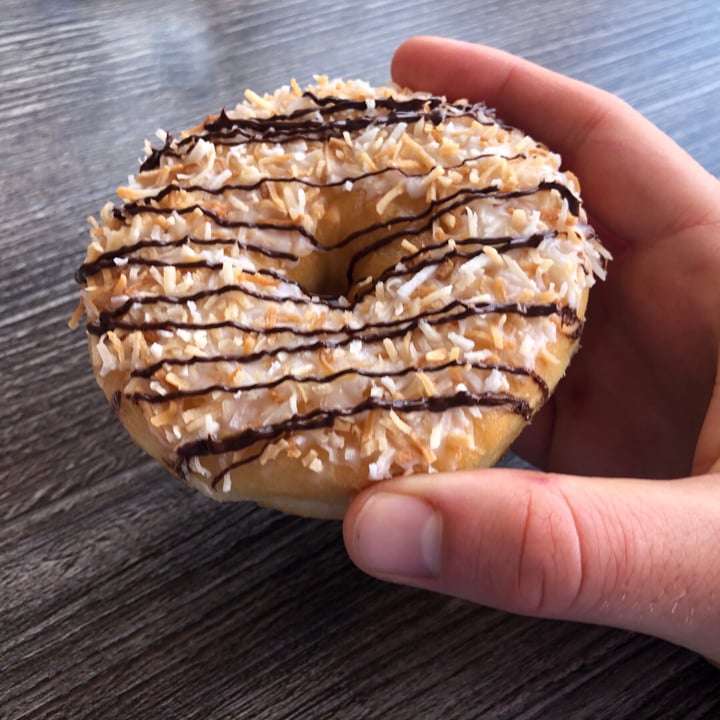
635, 554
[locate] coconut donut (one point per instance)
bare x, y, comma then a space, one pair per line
327, 287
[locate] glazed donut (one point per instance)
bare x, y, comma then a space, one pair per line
327, 287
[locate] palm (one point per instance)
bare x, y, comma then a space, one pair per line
635, 396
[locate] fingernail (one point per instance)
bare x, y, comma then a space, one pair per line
398, 535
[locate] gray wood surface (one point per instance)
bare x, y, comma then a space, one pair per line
122, 594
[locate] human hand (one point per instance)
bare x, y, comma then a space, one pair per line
640, 400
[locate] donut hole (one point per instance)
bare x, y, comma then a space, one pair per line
353, 242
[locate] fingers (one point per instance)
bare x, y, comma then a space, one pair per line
615, 151
707, 451
639, 555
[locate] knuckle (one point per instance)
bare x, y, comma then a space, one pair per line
549, 563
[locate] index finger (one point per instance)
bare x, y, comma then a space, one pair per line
635, 179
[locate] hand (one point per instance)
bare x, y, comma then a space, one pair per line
641, 399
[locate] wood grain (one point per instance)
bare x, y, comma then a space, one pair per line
123, 595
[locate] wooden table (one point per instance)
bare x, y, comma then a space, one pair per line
124, 595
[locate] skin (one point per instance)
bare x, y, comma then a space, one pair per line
621, 527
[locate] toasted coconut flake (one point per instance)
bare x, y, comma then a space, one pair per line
387, 198
426, 383
436, 356
260, 102
390, 349
418, 152
408, 246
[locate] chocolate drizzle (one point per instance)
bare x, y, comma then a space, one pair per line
324, 417
337, 117
136, 207
452, 312
331, 377
324, 118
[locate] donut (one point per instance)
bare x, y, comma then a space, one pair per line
327, 287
